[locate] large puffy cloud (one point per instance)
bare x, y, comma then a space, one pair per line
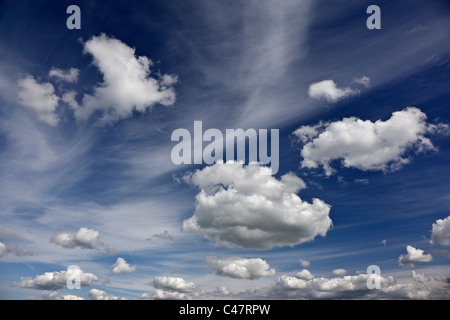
244, 206
127, 82
328, 90
83, 238
240, 268
39, 97
414, 256
121, 266
56, 280
367, 145
441, 232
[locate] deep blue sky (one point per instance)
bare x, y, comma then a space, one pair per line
238, 64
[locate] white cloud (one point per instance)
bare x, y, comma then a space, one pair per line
54, 295
121, 266
339, 272
173, 288
304, 275
170, 295
70, 75
328, 90
441, 232
240, 268
418, 286
127, 82
367, 145
173, 284
244, 206
413, 256
96, 294
304, 263
84, 238
39, 97
55, 280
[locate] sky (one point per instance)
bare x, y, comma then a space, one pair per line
102, 199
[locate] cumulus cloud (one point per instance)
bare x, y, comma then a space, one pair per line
441, 232
84, 238
70, 75
354, 287
121, 266
304, 275
328, 90
244, 206
170, 295
173, 288
367, 145
128, 84
240, 268
173, 284
339, 272
55, 295
39, 97
14, 249
414, 256
96, 294
55, 280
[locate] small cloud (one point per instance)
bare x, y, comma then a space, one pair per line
240, 268
339, 272
121, 266
383, 242
165, 236
70, 75
96, 294
304, 263
305, 275
328, 90
362, 181
40, 98
414, 256
365, 81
